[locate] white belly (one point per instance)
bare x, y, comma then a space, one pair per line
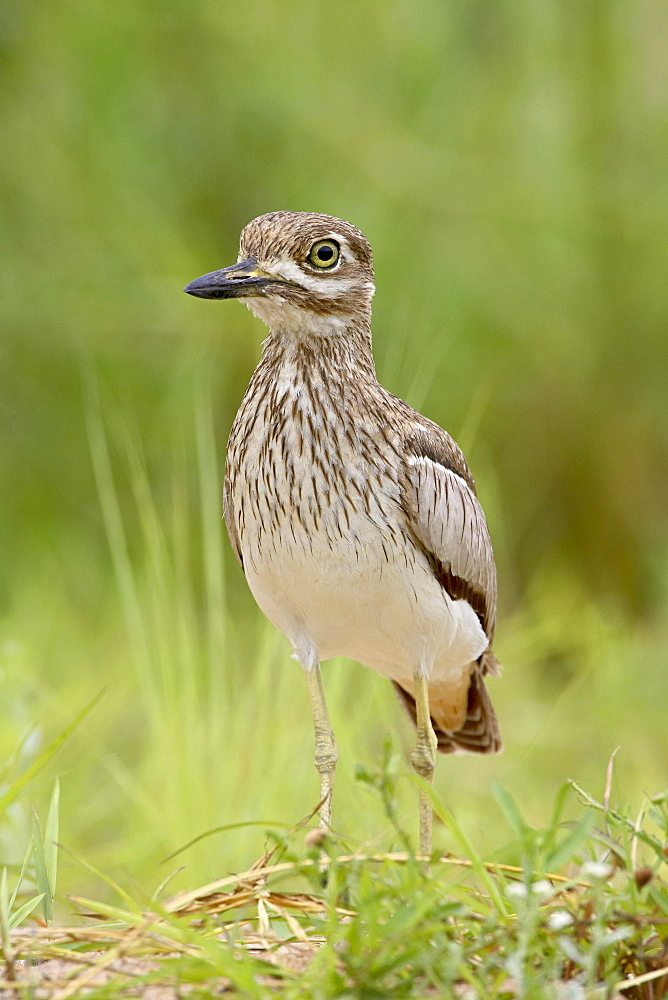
368, 599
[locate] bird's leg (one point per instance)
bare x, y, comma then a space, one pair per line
424, 756
326, 754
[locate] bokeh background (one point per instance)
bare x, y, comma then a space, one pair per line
508, 163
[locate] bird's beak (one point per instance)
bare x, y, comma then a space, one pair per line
234, 282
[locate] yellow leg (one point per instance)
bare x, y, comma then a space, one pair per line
326, 755
423, 757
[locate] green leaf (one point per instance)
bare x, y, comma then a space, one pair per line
267, 824
26, 859
41, 877
614, 817
16, 754
132, 917
51, 838
660, 898
127, 899
15, 790
23, 911
511, 812
466, 845
571, 843
555, 821
4, 917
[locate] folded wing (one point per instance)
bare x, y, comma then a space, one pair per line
447, 522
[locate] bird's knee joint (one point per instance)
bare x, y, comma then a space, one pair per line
423, 763
326, 755
423, 757
325, 763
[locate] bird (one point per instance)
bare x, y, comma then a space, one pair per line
355, 518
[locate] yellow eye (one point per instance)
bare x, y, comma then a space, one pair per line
324, 254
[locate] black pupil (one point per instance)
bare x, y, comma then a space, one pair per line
324, 254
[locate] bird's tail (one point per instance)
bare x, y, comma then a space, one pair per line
479, 732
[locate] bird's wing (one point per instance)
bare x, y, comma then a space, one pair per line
448, 523
228, 514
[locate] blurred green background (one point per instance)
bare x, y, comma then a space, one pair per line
508, 163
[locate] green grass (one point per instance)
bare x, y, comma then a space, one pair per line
581, 902
507, 162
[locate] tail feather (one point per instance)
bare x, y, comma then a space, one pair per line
479, 732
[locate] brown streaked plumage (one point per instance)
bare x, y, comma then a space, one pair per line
354, 517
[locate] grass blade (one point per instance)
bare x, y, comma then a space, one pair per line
27, 857
571, 844
51, 837
23, 911
132, 917
512, 813
469, 850
127, 899
41, 877
17, 787
5, 937
558, 808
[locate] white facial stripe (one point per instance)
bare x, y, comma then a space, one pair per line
290, 271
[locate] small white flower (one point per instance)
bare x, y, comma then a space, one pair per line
542, 888
597, 869
516, 890
559, 919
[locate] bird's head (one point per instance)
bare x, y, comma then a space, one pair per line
298, 271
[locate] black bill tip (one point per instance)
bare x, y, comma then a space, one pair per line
230, 282
205, 287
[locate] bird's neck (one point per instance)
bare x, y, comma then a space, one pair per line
342, 352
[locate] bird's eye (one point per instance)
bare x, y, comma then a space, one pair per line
324, 254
